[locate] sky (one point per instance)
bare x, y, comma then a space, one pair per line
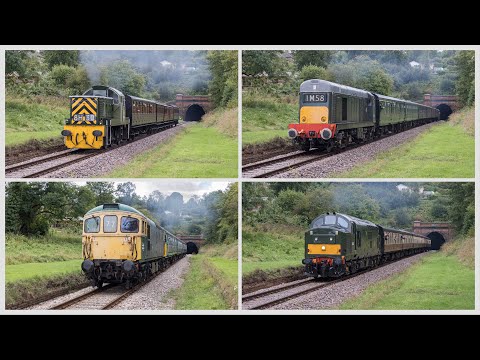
186, 188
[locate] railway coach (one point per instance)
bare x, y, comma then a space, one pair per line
333, 115
338, 244
120, 244
103, 116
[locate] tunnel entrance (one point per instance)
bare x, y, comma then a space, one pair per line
437, 240
194, 113
445, 111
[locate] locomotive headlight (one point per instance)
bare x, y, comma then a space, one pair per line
66, 133
324, 119
323, 248
97, 133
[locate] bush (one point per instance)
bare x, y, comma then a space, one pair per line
61, 74
313, 72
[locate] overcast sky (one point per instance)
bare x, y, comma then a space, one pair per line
186, 188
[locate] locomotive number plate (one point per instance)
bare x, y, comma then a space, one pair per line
314, 98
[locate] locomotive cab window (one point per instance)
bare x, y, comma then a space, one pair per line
110, 224
92, 225
129, 225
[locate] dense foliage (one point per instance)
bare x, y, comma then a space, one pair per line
297, 204
223, 87
152, 74
32, 208
407, 74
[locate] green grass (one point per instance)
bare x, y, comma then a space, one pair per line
54, 247
198, 151
227, 267
37, 118
265, 118
21, 137
437, 282
262, 136
199, 291
18, 272
270, 251
444, 151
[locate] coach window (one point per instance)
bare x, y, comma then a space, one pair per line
113, 95
344, 109
342, 222
330, 220
110, 224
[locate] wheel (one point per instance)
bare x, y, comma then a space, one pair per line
99, 284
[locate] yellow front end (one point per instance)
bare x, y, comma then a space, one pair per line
84, 136
324, 249
314, 115
112, 246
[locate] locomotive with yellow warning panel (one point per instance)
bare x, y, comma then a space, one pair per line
103, 116
333, 115
339, 244
120, 244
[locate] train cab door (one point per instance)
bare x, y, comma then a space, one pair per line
353, 242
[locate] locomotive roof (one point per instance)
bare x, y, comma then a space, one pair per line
349, 218
115, 206
403, 232
103, 87
318, 85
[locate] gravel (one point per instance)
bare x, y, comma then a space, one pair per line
334, 295
346, 160
107, 162
153, 296
61, 299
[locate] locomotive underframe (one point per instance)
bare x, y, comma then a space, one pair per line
332, 266
344, 137
114, 271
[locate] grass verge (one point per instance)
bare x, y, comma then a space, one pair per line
36, 118
199, 151
443, 280
22, 291
428, 155
31, 270
265, 117
266, 250
56, 246
212, 281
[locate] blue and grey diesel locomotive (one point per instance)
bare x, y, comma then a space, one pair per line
339, 244
333, 115
103, 116
120, 244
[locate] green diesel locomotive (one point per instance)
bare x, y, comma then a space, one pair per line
339, 244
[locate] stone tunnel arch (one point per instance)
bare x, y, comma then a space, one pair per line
194, 113
445, 111
437, 240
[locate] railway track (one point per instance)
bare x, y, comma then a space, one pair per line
305, 287
271, 167
47, 164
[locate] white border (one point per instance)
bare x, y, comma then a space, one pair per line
239, 179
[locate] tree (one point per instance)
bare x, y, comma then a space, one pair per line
103, 192
376, 80
123, 76
61, 57
174, 202
319, 58
313, 72
223, 87
125, 193
260, 62
15, 61
465, 85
